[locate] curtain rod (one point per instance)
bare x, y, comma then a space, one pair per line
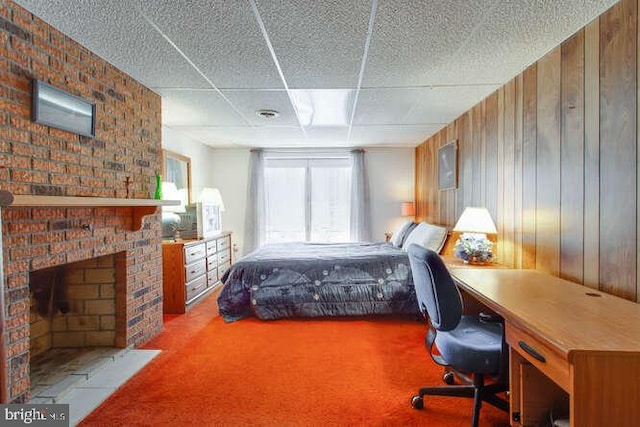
310, 150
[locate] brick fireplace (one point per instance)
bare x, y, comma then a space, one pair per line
39, 160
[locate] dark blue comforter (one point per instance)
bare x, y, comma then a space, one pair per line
317, 279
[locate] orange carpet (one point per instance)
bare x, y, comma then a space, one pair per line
285, 373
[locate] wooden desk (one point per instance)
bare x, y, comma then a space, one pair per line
568, 344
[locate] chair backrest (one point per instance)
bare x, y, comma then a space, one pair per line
435, 289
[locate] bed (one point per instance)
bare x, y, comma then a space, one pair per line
288, 280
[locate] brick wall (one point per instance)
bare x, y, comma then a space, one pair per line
36, 159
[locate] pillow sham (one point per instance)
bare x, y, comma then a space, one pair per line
400, 233
427, 235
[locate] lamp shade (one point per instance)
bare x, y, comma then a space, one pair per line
171, 192
213, 196
475, 220
408, 209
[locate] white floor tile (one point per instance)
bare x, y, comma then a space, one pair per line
84, 400
85, 396
121, 369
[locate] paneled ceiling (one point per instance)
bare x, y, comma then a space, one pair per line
340, 73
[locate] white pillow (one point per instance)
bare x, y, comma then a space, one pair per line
399, 234
428, 235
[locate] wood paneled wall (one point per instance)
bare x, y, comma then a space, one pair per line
553, 155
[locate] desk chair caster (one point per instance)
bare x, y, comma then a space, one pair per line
417, 402
449, 378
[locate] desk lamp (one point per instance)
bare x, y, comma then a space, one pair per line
473, 246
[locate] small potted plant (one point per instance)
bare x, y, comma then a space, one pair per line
474, 248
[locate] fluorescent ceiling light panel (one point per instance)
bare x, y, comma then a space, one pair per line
323, 107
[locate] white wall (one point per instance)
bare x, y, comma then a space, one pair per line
230, 170
391, 182
391, 177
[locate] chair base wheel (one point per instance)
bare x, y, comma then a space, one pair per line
449, 378
417, 402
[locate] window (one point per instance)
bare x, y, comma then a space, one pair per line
307, 199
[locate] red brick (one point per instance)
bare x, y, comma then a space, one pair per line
29, 176
49, 237
43, 164
27, 227
17, 281
65, 179
48, 213
19, 163
16, 254
63, 247
49, 261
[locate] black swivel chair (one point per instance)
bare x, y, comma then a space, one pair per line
467, 344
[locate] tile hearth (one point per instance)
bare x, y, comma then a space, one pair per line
84, 377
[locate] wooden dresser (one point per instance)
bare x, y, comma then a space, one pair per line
193, 268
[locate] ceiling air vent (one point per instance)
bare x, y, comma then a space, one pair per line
268, 114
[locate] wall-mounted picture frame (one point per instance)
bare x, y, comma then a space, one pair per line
209, 221
54, 107
448, 166
176, 168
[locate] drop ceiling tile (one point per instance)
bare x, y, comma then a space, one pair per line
222, 38
249, 101
283, 136
411, 37
445, 104
197, 108
328, 136
384, 106
118, 33
515, 35
393, 135
319, 44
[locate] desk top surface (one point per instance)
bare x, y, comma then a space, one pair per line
569, 316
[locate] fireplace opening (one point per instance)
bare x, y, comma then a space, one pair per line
72, 318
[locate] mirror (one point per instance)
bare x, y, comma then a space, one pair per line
177, 170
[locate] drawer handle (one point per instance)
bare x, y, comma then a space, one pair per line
531, 351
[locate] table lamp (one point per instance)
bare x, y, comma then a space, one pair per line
473, 246
213, 196
408, 209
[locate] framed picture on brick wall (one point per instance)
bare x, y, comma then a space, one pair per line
56, 108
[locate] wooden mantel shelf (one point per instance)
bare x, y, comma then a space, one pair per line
141, 207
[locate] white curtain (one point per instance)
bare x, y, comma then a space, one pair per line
359, 225
254, 223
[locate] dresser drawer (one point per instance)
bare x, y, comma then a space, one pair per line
223, 267
195, 287
211, 247
548, 360
223, 243
212, 262
223, 257
195, 269
194, 252
212, 277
